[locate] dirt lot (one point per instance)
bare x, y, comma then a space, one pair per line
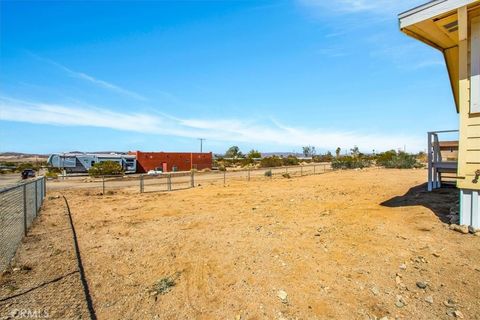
345, 245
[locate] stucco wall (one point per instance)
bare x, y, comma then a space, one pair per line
184, 161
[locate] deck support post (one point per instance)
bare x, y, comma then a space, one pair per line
430, 162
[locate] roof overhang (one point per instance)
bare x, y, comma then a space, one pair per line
436, 24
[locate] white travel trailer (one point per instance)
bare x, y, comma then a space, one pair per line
81, 162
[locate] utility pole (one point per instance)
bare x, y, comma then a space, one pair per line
201, 144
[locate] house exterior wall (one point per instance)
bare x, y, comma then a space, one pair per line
182, 161
469, 129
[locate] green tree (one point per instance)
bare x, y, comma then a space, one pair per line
233, 152
337, 152
105, 168
355, 152
309, 151
254, 154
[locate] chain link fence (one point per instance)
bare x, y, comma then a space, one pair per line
19, 205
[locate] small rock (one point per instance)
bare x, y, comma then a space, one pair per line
375, 291
282, 295
473, 229
403, 266
429, 299
462, 229
450, 312
400, 302
449, 303
421, 284
458, 314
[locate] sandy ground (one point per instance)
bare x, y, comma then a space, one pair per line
9, 179
343, 245
180, 180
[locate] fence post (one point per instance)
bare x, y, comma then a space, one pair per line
169, 182
324, 167
314, 169
141, 183
224, 177
25, 209
248, 172
301, 171
192, 179
41, 191
36, 198
103, 185
44, 187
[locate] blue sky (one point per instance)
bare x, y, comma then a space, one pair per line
269, 75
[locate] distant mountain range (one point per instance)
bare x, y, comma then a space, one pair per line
33, 155
19, 155
22, 155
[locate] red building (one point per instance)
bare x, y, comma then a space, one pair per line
172, 161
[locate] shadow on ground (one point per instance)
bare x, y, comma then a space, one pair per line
439, 201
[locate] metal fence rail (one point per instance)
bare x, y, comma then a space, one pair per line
19, 205
171, 181
184, 180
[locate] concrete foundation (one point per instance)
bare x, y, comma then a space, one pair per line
470, 207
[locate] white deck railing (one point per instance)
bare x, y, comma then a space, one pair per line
437, 165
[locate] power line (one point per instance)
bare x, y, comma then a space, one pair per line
201, 144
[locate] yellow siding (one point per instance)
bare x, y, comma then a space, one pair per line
469, 144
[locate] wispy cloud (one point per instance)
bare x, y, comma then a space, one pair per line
406, 56
247, 131
88, 78
360, 6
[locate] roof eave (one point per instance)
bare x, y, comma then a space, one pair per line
430, 10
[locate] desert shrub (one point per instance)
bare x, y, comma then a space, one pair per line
270, 162
328, 157
402, 160
246, 162
286, 175
163, 286
7, 164
349, 162
51, 174
268, 173
29, 165
385, 157
222, 168
290, 161
105, 168
422, 157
